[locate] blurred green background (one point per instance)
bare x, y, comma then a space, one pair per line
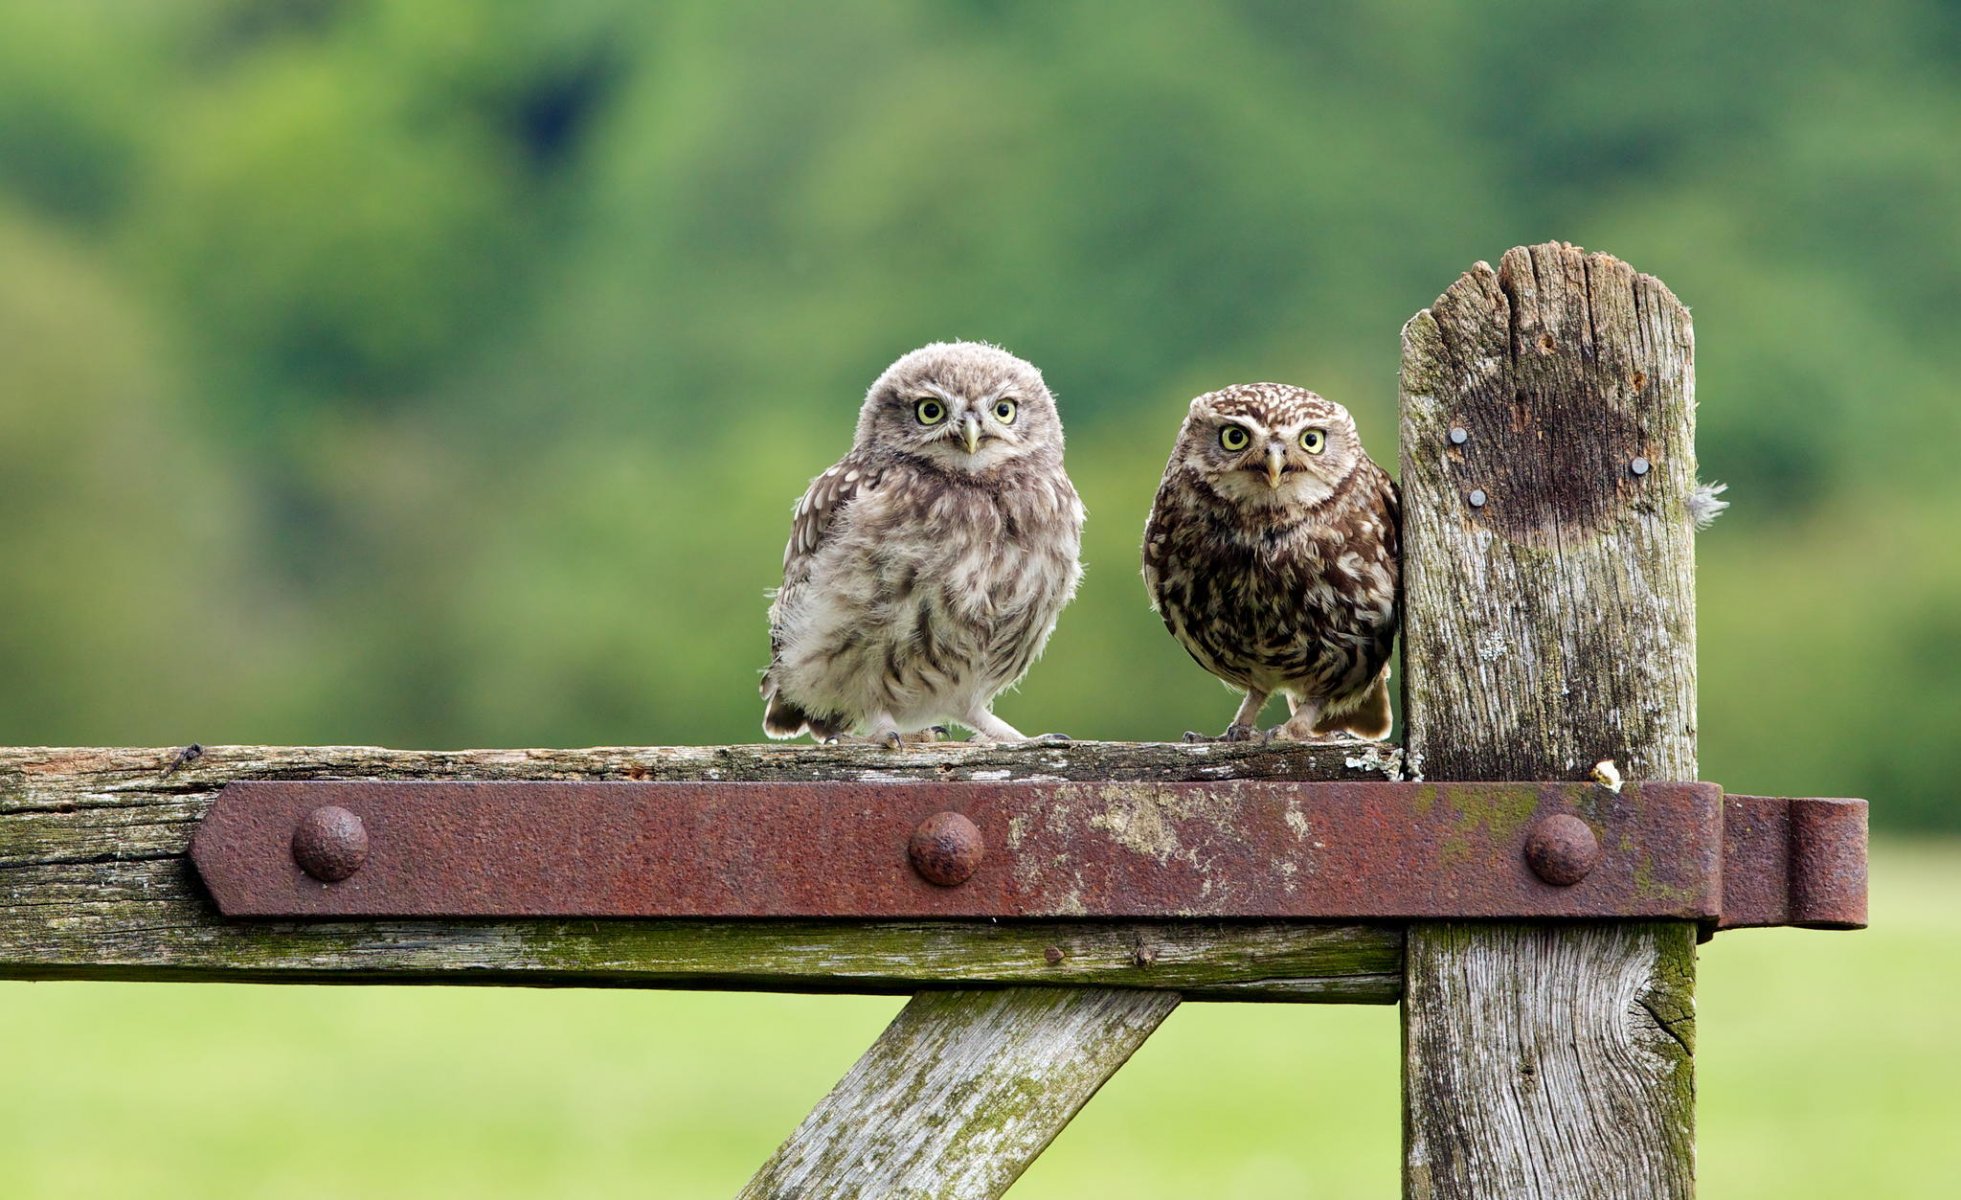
442, 373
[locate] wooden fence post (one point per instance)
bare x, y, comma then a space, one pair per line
1547, 461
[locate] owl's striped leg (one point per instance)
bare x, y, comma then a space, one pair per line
1245, 722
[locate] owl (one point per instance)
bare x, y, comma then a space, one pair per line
925, 570
1272, 555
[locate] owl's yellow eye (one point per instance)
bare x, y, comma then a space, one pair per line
1004, 411
929, 411
1232, 437
1314, 441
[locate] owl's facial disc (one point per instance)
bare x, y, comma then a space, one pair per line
1259, 468
962, 407
1267, 447
972, 434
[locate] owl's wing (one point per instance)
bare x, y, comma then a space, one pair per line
816, 514
1155, 536
827, 498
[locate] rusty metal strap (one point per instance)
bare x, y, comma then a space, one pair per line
1323, 851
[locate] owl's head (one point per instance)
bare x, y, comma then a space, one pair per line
964, 407
1268, 445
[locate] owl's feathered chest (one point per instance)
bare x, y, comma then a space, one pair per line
1302, 599
1268, 579
987, 546
930, 592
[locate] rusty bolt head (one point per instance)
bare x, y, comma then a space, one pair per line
330, 844
1053, 956
946, 849
1562, 850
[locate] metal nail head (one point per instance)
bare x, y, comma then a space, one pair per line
1562, 850
1459, 435
330, 843
1477, 497
946, 849
1639, 466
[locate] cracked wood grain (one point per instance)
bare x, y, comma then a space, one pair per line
1547, 627
95, 884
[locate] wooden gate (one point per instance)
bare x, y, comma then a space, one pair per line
1541, 937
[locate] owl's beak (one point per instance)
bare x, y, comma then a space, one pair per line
1276, 466
970, 432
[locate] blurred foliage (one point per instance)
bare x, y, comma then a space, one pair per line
442, 373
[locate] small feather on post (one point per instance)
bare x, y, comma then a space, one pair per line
1705, 505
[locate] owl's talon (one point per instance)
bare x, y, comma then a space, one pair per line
1050, 739
1235, 732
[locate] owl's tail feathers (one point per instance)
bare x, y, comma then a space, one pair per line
784, 719
1366, 717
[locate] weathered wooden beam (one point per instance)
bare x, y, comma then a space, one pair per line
961, 1093
1547, 462
95, 884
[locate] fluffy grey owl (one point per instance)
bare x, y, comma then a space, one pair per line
926, 569
1271, 554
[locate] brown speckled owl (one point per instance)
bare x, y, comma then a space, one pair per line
1272, 553
926, 569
